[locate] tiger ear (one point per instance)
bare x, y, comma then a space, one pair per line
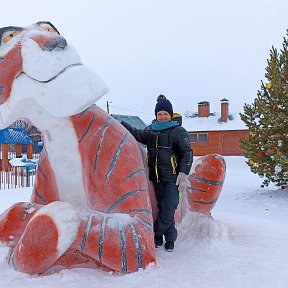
48, 23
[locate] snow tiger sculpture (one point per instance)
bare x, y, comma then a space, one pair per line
91, 202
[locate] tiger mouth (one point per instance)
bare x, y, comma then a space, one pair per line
58, 74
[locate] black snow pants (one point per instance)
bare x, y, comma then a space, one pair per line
167, 195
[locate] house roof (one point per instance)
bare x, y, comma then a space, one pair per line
191, 122
134, 121
14, 136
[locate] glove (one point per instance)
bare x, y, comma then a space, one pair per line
182, 182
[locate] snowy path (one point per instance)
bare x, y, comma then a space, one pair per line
246, 245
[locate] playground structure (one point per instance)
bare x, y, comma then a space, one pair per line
17, 168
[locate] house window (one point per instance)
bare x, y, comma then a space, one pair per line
193, 138
198, 137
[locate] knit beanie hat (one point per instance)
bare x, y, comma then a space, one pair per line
163, 104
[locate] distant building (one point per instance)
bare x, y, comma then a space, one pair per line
33, 133
215, 132
134, 121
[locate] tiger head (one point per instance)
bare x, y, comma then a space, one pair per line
41, 74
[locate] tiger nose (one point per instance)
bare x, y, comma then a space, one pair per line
56, 42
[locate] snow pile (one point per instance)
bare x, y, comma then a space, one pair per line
202, 227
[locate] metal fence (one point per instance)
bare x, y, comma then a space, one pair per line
17, 177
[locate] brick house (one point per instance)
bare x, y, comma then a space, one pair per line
215, 132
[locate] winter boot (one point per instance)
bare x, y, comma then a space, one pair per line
169, 246
158, 241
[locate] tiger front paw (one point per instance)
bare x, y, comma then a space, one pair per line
47, 236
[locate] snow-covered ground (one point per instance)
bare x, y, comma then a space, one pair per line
246, 245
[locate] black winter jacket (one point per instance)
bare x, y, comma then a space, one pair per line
169, 151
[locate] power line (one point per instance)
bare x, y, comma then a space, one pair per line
131, 110
146, 120
119, 108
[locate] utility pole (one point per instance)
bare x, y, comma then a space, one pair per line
107, 105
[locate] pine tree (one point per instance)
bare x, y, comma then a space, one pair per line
267, 120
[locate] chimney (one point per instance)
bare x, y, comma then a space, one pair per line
224, 109
203, 109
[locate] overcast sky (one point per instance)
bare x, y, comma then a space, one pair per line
189, 50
